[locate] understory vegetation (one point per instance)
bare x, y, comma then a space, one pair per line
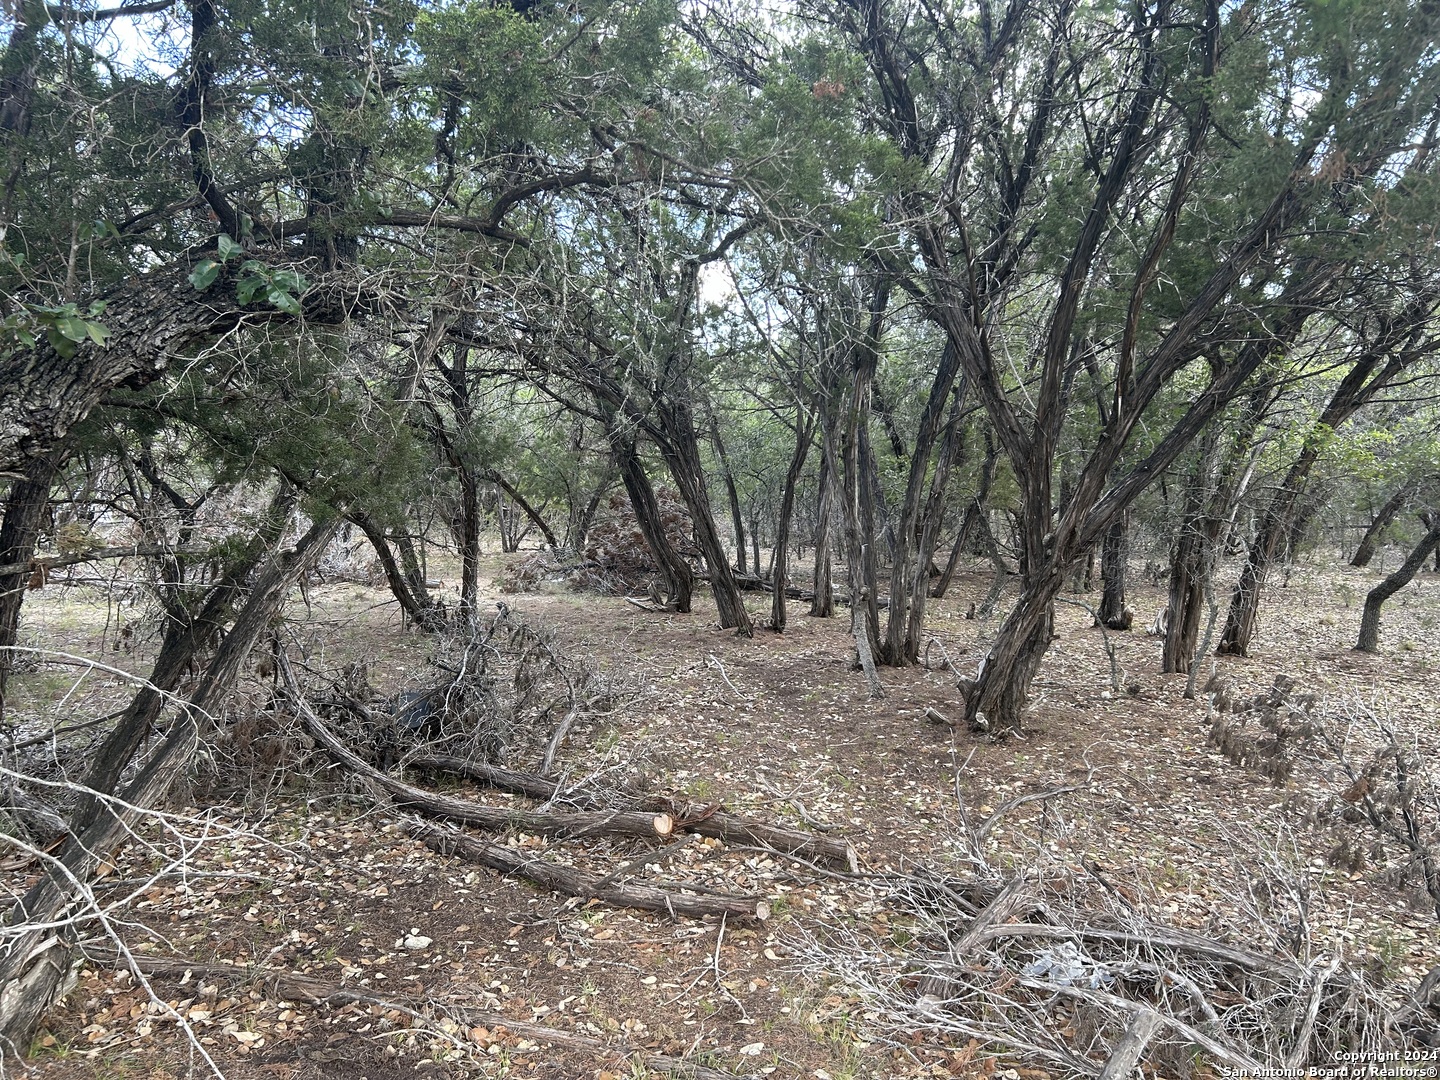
665, 537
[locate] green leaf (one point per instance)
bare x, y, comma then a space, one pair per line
228, 248
289, 280
283, 300
98, 334
73, 327
59, 342
250, 288
204, 275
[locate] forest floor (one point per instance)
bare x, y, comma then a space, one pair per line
296, 870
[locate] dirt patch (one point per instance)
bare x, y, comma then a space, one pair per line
300, 876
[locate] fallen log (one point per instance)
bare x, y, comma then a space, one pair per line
651, 825
289, 986
685, 815
571, 882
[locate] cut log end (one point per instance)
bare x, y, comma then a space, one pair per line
664, 825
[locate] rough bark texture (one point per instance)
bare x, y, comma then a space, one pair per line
25, 508
153, 320
780, 571
1369, 640
1114, 560
822, 606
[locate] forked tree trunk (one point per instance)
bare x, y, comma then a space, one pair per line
25, 508
997, 699
1369, 640
38, 957
923, 502
1370, 542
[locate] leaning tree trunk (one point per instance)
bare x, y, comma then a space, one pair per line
186, 637
407, 584
674, 570
1370, 542
42, 927
25, 508
152, 319
780, 564
1369, 640
1114, 561
681, 450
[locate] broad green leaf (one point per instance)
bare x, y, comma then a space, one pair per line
204, 275
228, 248
283, 300
73, 327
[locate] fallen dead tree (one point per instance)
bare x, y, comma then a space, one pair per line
571, 882
686, 816
597, 821
289, 986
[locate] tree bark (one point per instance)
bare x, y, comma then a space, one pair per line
153, 320
1114, 562
25, 508
674, 570
910, 566
38, 956
407, 584
680, 448
1370, 542
780, 573
822, 606
732, 494
1369, 640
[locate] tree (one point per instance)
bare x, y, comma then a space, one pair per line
1369, 639
1070, 152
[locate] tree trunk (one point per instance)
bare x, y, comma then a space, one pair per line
681, 450
780, 575
927, 535
823, 604
732, 494
1369, 640
1114, 560
674, 569
469, 541
1383, 517
38, 955
910, 566
996, 701
407, 585
974, 518
525, 508
25, 508
186, 638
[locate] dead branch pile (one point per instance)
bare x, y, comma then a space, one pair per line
502, 692
585, 814
1071, 974
616, 560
